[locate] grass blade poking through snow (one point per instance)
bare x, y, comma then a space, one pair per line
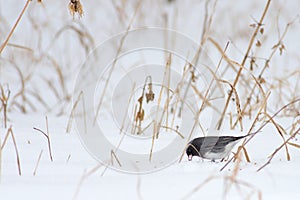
4, 99
10, 132
69, 125
47, 135
252, 126
278, 149
37, 163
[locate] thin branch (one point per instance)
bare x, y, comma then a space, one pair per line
172, 129
14, 27
244, 60
261, 127
4, 101
115, 60
37, 163
203, 103
69, 125
266, 66
10, 132
113, 155
47, 135
278, 149
252, 126
16, 149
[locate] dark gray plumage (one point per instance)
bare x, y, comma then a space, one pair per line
212, 147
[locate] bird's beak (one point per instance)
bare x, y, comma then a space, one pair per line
190, 157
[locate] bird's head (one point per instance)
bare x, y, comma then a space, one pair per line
191, 151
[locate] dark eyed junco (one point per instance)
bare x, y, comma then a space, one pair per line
212, 147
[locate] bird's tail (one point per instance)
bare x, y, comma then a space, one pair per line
248, 135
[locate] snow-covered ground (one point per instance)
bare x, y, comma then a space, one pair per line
40, 67
67, 177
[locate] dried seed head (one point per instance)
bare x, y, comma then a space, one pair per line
193, 77
150, 95
258, 43
261, 31
261, 80
281, 48
140, 115
75, 7
252, 63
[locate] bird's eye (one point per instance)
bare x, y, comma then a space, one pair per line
189, 151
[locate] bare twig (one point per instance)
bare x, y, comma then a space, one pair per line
262, 126
47, 135
274, 49
14, 27
10, 132
204, 35
113, 155
237, 101
69, 126
20, 47
4, 101
244, 60
139, 115
253, 124
172, 129
279, 148
166, 79
203, 102
115, 60
280, 131
37, 163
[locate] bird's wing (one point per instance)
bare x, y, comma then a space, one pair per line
209, 144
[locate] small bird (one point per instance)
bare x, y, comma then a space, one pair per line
212, 147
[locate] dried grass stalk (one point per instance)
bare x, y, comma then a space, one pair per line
114, 156
294, 145
278, 149
244, 60
4, 101
37, 163
280, 131
138, 5
263, 104
14, 27
10, 132
47, 135
71, 117
237, 103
